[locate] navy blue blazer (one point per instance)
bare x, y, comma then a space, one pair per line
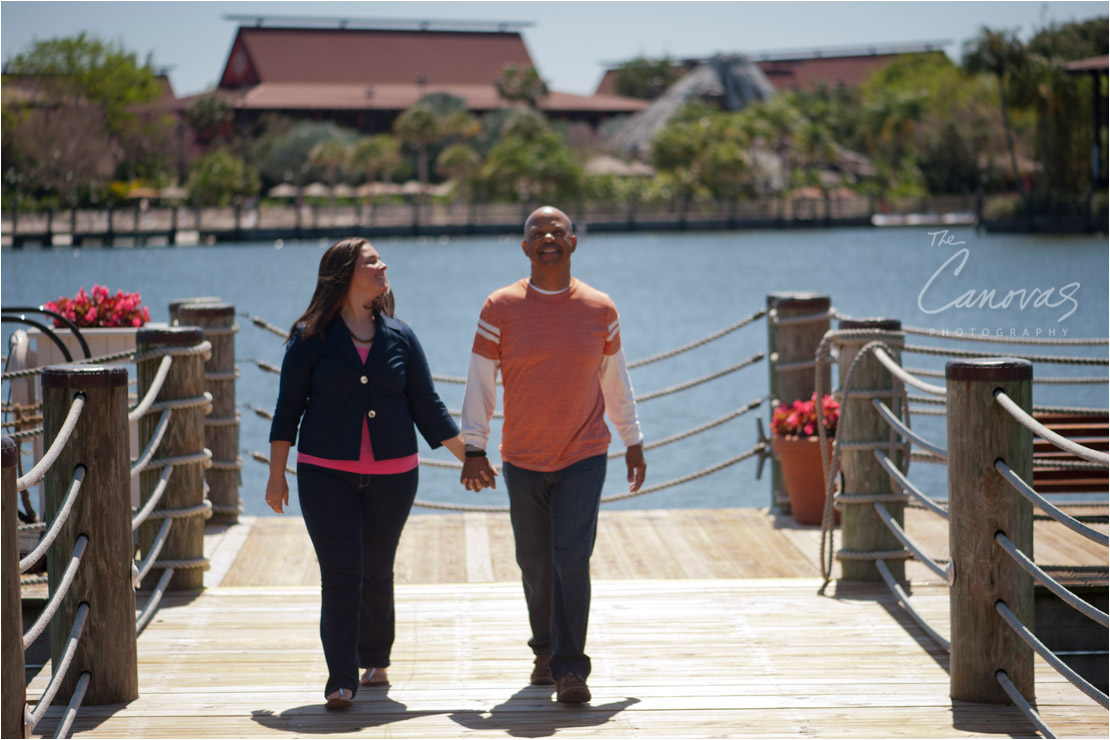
327, 390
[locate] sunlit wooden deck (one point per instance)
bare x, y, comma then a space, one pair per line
704, 624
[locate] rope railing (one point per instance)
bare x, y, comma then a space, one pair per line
152, 392
1091, 612
899, 426
1050, 657
901, 481
897, 371
204, 348
153, 602
700, 342
809, 318
906, 604
750, 406
1046, 381
144, 458
155, 496
152, 551
703, 379
1048, 359
900, 533
1044, 432
35, 474
59, 593
1044, 505
1022, 704
74, 706
59, 522
60, 670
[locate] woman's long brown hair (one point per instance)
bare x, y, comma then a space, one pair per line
337, 266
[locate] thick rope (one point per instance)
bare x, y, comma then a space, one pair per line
204, 508
58, 675
698, 381
901, 481
1050, 657
202, 401
152, 502
809, 318
700, 342
1046, 381
1048, 359
204, 348
1044, 432
236, 464
152, 392
1044, 505
197, 457
152, 446
1021, 703
152, 554
895, 370
262, 324
74, 706
752, 405
896, 423
154, 600
902, 537
219, 376
904, 602
1090, 612
1070, 410
59, 593
51, 455
184, 564
222, 421
1078, 342
59, 521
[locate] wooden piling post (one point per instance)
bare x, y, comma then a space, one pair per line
101, 512
788, 344
980, 504
12, 670
861, 528
176, 304
221, 427
184, 436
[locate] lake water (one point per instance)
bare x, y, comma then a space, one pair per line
671, 288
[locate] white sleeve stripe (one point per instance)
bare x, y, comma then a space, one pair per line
615, 324
614, 334
489, 327
483, 333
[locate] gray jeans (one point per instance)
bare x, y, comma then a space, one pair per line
554, 518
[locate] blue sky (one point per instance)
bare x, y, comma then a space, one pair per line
570, 42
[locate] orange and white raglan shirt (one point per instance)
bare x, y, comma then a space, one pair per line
562, 369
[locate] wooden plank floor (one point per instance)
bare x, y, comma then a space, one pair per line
672, 658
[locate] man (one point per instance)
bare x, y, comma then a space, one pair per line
556, 342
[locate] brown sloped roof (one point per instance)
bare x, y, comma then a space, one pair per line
353, 56
346, 96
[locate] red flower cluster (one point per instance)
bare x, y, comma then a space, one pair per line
800, 419
100, 309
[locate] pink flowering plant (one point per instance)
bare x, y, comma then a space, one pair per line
800, 419
101, 309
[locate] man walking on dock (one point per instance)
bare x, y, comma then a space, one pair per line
556, 342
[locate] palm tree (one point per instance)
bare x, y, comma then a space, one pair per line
376, 155
459, 162
420, 127
519, 84
1001, 54
333, 156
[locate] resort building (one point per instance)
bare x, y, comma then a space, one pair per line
364, 77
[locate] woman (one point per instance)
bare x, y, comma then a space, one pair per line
355, 380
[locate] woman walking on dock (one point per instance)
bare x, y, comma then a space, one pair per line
355, 381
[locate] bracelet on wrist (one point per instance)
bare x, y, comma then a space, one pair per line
475, 453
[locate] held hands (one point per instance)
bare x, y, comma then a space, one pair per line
637, 468
277, 493
478, 473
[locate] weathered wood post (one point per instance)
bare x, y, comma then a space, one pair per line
796, 322
13, 677
861, 528
980, 504
221, 427
183, 438
176, 304
102, 513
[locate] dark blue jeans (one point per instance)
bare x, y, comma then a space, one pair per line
554, 518
355, 523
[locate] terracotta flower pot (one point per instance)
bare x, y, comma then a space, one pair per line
800, 460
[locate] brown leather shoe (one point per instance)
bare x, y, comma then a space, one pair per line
541, 672
572, 689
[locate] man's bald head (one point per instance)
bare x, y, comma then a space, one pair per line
547, 212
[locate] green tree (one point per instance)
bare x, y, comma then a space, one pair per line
1001, 54
521, 84
332, 156
286, 157
419, 127
646, 78
210, 118
218, 177
376, 156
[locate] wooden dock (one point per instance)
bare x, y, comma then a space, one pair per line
705, 623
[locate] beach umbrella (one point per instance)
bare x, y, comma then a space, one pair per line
173, 192
343, 191
317, 190
142, 192
284, 190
